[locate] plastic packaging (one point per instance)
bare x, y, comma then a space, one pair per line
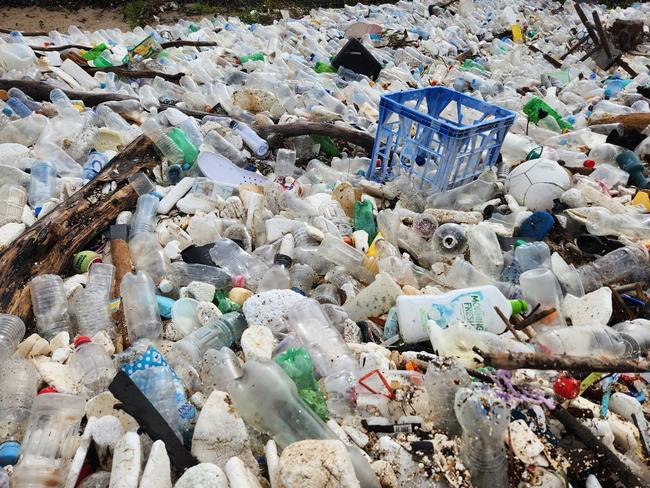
17, 392
442, 384
628, 264
90, 307
50, 305
42, 185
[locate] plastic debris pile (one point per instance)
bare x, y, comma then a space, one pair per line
322, 284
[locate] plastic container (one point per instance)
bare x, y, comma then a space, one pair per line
157, 384
541, 287
588, 340
302, 278
12, 203
627, 264
17, 392
93, 365
441, 385
235, 261
95, 162
50, 440
162, 141
256, 144
140, 308
144, 218
484, 249
90, 307
472, 306
12, 331
50, 306
42, 186
533, 255
455, 137
277, 276
16, 56
182, 274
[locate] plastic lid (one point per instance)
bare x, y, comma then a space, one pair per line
518, 306
589, 163
9, 453
283, 259
519, 242
81, 340
49, 389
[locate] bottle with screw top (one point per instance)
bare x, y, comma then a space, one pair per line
441, 384
93, 365
277, 276
42, 186
302, 278
145, 249
50, 306
90, 307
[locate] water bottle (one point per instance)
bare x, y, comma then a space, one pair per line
22, 96
95, 162
636, 335
146, 252
277, 276
140, 307
449, 240
235, 261
587, 340
144, 217
157, 384
484, 419
256, 144
441, 384
50, 306
191, 127
60, 100
484, 249
285, 162
17, 391
223, 147
42, 186
302, 278
50, 440
93, 365
87, 82
189, 150
12, 203
90, 307
162, 141
182, 274
533, 255
18, 107
626, 264
16, 37
12, 331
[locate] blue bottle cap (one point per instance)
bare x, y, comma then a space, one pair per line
9, 453
165, 305
7, 111
186, 166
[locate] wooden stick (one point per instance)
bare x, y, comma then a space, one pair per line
605, 455
127, 73
25, 33
536, 360
182, 43
507, 323
354, 136
47, 246
638, 121
61, 48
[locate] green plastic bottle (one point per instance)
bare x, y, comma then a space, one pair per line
189, 150
95, 52
251, 57
321, 67
532, 108
364, 219
327, 145
297, 364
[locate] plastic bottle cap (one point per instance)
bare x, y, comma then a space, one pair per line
238, 281
9, 453
49, 389
589, 163
518, 306
519, 242
81, 340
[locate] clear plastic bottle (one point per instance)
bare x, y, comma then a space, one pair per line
140, 307
484, 419
18, 107
157, 384
60, 100
42, 186
12, 203
302, 278
540, 287
95, 162
484, 249
533, 255
12, 331
234, 260
441, 384
256, 144
22, 96
145, 250
93, 365
163, 142
144, 218
90, 307
587, 340
449, 240
285, 162
223, 146
191, 128
50, 440
354, 261
626, 264
50, 306
182, 274
17, 392
277, 276
636, 335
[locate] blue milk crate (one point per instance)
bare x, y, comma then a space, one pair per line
439, 137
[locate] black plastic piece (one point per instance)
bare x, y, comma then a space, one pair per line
119, 232
598, 245
356, 57
151, 422
198, 255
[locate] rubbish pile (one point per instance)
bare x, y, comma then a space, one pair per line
400, 245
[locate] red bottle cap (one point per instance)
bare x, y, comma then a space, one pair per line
81, 340
238, 281
49, 389
589, 163
567, 387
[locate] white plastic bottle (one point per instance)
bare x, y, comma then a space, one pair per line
474, 306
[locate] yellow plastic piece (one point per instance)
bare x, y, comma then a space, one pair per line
517, 36
642, 198
372, 250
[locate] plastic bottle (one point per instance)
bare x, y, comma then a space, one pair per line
533, 255
12, 331
87, 82
60, 100
90, 307
297, 364
143, 219
602, 222
268, 401
50, 306
285, 162
541, 287
18, 107
354, 261
95, 162
235, 261
12, 203
626, 264
449, 240
587, 340
636, 335
256, 144
485, 250
17, 391
42, 186
50, 440
277, 276
146, 252
630, 162
364, 219
157, 384
163, 142
302, 278
93, 365
441, 384
140, 308
473, 306
182, 274
183, 142
191, 129
484, 419
186, 354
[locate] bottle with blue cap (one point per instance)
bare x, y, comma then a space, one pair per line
42, 186
95, 162
18, 107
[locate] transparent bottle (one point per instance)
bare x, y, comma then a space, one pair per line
223, 146
140, 307
484, 249
12, 331
18, 107
93, 365
234, 260
95, 162
90, 307
60, 100
144, 217
256, 144
285, 162
354, 261
484, 419
182, 274
277, 276
533, 255
50, 306
626, 264
327, 293
636, 335
50, 440
168, 148
441, 384
17, 391
42, 186
157, 384
449, 240
12, 203
541, 287
587, 340
22, 96
302, 278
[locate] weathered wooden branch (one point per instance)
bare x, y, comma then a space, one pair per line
40, 90
25, 33
181, 43
129, 73
536, 360
47, 246
354, 136
603, 453
61, 48
638, 121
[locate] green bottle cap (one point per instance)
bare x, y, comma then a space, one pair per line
518, 306
519, 242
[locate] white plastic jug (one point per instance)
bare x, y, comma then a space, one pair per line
16, 56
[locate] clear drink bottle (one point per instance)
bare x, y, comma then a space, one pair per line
93, 365
12, 203
17, 392
140, 307
50, 305
12, 331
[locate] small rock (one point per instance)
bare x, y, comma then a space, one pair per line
525, 445
172, 250
204, 475
74, 283
203, 292
385, 473
207, 312
269, 307
60, 376
198, 400
104, 339
157, 472
28, 216
106, 431
204, 229
26, 346
239, 295
124, 217
257, 343
125, 471
239, 475
220, 433
40, 348
104, 404
62, 339
317, 464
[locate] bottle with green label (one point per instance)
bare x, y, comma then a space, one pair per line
364, 219
537, 108
297, 363
189, 150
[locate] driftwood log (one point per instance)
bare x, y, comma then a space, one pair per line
40, 90
354, 136
25, 33
164, 45
129, 73
535, 360
47, 246
638, 121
